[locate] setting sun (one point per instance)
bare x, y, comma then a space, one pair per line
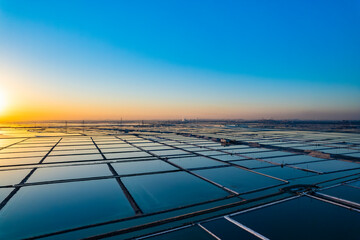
2, 101
180, 120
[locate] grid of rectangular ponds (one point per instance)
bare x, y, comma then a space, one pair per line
170, 186
346, 144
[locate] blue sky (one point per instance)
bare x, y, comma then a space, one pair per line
206, 59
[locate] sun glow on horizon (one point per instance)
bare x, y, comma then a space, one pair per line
2, 102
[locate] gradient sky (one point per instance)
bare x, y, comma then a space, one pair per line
173, 59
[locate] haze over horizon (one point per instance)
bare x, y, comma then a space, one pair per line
179, 59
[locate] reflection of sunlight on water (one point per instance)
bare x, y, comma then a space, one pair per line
9, 135
61, 175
